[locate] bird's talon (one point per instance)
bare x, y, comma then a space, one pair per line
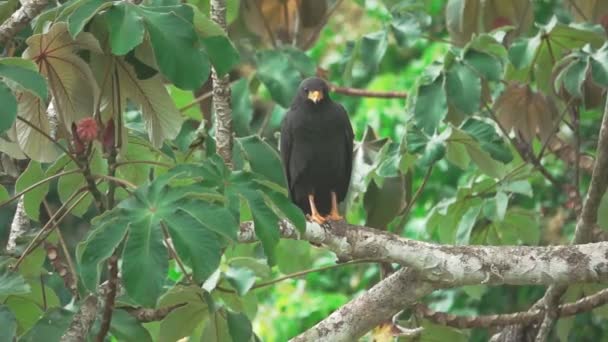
316, 218
335, 217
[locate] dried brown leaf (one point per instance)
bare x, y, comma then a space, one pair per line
526, 112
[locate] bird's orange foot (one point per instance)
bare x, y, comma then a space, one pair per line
334, 217
316, 218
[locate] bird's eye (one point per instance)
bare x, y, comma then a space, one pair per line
306, 89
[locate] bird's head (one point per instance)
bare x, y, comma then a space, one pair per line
314, 89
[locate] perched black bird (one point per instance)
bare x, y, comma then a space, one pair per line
317, 151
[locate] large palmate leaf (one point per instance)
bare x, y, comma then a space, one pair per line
71, 82
31, 140
154, 210
160, 115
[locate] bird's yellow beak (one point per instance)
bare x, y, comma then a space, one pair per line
315, 96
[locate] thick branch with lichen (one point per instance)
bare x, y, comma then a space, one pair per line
459, 265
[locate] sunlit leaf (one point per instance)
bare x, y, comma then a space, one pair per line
31, 140
70, 79
32, 199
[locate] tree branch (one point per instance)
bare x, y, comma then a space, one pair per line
464, 322
368, 93
458, 265
20, 19
82, 321
360, 315
221, 95
584, 225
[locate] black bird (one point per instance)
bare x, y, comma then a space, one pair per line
317, 151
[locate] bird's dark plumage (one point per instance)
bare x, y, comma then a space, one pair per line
316, 148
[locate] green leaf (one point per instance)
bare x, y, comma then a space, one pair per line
216, 329
32, 199
599, 66
485, 162
50, 327
304, 64
293, 256
488, 139
373, 48
239, 326
465, 227
8, 110
12, 283
430, 105
204, 26
84, 13
176, 48
487, 65
8, 322
432, 149
214, 218
108, 231
125, 327
145, 263
243, 185
25, 73
126, 27
522, 187
258, 266
502, 202
241, 278
573, 77
183, 320
262, 158
288, 209
242, 108
463, 88
3, 194
276, 72
523, 50
197, 246
222, 54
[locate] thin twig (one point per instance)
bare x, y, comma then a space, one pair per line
406, 211
152, 315
121, 181
368, 93
150, 162
302, 273
37, 184
51, 224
